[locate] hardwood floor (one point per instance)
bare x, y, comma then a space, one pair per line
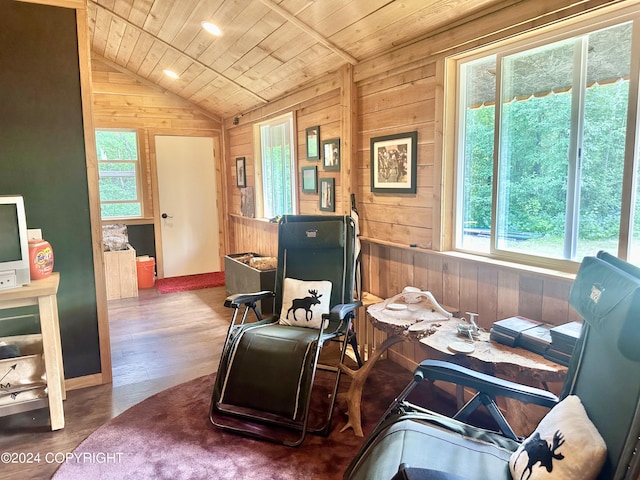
157, 341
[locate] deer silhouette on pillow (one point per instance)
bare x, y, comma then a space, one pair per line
305, 303
539, 450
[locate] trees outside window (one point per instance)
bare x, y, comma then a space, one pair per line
276, 167
542, 144
119, 174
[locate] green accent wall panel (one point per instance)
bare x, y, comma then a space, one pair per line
42, 157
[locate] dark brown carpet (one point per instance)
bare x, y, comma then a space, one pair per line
169, 436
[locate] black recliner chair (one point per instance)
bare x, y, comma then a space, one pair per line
266, 376
604, 375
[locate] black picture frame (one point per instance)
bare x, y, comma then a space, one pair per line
394, 164
313, 143
331, 154
241, 174
327, 195
309, 179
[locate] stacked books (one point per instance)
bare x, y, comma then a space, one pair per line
509, 330
536, 339
563, 341
555, 343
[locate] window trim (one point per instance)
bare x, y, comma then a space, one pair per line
453, 142
141, 190
257, 162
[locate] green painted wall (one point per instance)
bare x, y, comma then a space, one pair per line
42, 157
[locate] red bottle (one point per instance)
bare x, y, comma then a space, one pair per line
40, 259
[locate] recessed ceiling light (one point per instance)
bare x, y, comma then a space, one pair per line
211, 28
170, 73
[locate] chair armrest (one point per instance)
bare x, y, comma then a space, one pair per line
235, 301
341, 310
450, 372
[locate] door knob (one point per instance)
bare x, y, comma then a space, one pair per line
164, 215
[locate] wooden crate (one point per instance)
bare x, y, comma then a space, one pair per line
120, 273
23, 377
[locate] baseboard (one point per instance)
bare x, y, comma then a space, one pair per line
84, 382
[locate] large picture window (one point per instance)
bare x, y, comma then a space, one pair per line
276, 167
119, 174
542, 142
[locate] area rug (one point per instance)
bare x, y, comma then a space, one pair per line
169, 436
190, 282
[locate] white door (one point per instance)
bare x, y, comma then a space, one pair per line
187, 198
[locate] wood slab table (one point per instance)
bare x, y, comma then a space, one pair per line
423, 322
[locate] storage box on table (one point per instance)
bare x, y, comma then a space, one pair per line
250, 272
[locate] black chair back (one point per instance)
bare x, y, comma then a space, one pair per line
310, 247
605, 368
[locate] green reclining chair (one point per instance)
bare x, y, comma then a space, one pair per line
267, 370
593, 432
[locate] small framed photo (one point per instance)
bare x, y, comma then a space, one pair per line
327, 195
313, 143
310, 179
241, 176
394, 163
331, 154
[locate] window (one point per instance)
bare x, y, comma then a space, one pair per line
542, 141
275, 167
119, 174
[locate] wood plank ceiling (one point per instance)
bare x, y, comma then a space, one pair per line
267, 47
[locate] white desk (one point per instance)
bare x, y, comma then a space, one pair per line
42, 293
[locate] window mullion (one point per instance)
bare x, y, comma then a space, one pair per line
495, 204
575, 148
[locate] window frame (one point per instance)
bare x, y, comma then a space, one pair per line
260, 206
453, 148
140, 165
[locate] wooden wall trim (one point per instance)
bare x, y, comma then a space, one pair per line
87, 381
348, 135
77, 4
94, 193
515, 18
517, 267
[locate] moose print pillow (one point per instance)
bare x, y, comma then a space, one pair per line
565, 445
304, 302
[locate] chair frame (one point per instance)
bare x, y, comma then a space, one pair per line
596, 343
341, 315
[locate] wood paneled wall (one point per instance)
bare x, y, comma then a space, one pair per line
323, 111
466, 285
403, 91
120, 100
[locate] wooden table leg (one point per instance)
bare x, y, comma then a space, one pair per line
52, 359
358, 377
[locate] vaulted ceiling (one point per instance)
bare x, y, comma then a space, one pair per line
267, 47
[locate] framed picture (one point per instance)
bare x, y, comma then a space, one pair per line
331, 154
313, 143
310, 179
394, 163
327, 195
241, 176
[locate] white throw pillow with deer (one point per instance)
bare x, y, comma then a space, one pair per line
304, 302
565, 445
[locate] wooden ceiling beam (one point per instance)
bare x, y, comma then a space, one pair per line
309, 31
180, 52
